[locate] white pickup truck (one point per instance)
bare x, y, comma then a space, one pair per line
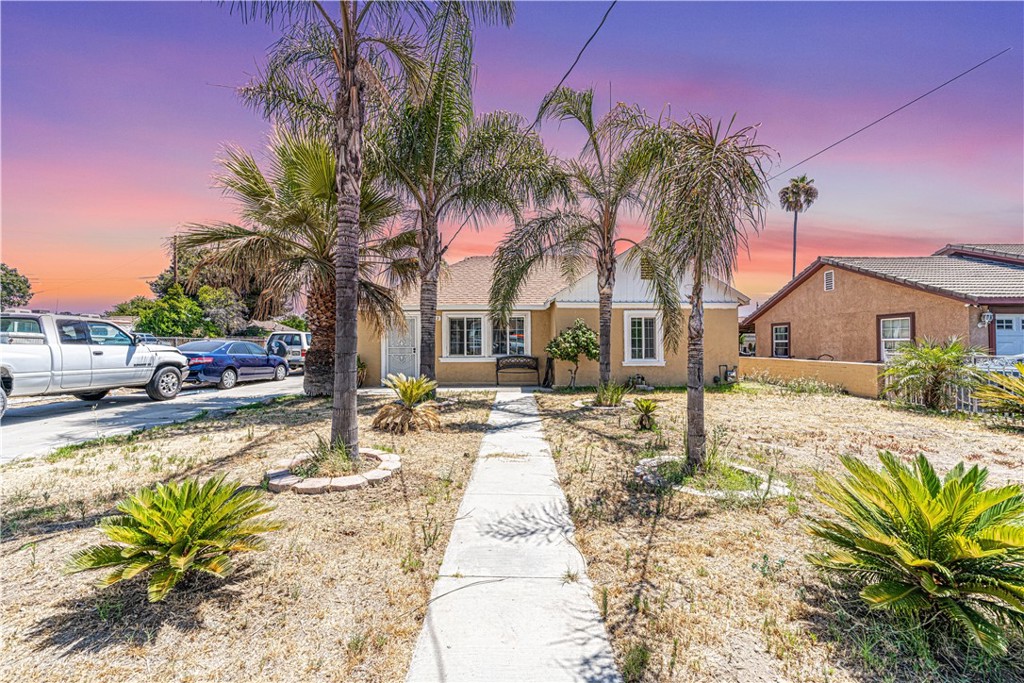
45, 353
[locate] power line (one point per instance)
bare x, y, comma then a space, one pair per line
894, 111
537, 119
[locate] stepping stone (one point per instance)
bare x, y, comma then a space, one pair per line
390, 465
281, 484
355, 481
375, 476
276, 472
314, 485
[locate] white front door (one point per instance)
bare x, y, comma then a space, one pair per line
1009, 334
402, 349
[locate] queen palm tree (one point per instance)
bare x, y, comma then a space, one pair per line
350, 47
606, 177
451, 165
711, 188
288, 225
797, 197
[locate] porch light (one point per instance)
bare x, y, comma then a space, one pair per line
986, 318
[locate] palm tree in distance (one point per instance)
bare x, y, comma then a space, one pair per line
289, 225
709, 189
362, 52
797, 197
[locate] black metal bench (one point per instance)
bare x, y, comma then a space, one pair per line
516, 364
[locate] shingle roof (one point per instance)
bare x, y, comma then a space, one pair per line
968, 278
468, 283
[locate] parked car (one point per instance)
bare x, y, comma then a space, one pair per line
226, 363
295, 344
45, 353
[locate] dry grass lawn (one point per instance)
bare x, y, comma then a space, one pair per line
696, 590
338, 594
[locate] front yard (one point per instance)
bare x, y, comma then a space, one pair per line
337, 595
698, 590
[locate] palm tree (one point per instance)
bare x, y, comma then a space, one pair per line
797, 197
710, 187
351, 50
449, 165
605, 178
289, 226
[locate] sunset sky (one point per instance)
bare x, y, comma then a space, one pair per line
113, 113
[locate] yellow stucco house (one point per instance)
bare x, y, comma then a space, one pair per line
469, 342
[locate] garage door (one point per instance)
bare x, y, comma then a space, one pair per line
1009, 335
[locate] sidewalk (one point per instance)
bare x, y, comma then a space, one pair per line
513, 602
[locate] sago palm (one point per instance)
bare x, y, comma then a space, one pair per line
708, 190
361, 53
932, 372
923, 545
176, 528
412, 410
288, 230
798, 197
451, 166
605, 179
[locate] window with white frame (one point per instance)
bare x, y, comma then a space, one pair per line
510, 339
466, 336
643, 342
830, 280
780, 340
893, 333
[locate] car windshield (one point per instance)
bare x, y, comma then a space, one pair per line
201, 346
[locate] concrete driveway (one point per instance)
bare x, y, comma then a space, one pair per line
38, 429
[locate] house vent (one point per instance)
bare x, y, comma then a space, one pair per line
830, 280
646, 269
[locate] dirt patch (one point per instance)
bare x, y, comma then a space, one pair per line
720, 591
338, 594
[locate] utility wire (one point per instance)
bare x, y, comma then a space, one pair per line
537, 119
894, 111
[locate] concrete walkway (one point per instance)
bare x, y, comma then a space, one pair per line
513, 602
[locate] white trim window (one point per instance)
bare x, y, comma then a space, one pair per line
894, 333
510, 339
465, 336
644, 343
780, 340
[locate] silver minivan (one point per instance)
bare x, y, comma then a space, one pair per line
293, 344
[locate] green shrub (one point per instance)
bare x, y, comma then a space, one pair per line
413, 410
610, 394
926, 546
1003, 394
930, 372
635, 663
573, 342
175, 528
325, 460
646, 407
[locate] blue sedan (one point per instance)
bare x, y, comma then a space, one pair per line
226, 363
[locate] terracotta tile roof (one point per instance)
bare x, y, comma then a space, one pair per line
468, 283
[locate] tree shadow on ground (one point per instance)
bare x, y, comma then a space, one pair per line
123, 615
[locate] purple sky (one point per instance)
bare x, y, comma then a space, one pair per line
113, 113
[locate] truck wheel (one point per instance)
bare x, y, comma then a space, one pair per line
3, 402
165, 384
280, 372
228, 379
93, 395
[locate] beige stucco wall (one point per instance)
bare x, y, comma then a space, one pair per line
859, 379
720, 347
844, 322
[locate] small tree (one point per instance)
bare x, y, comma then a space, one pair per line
296, 322
133, 307
573, 342
175, 315
931, 372
15, 289
223, 309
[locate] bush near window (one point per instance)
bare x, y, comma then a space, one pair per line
573, 342
413, 410
930, 372
1004, 394
927, 546
176, 528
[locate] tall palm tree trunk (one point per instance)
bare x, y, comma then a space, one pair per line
348, 142
318, 376
795, 214
430, 270
695, 435
605, 290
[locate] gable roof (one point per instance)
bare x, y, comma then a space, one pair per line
1012, 253
971, 279
467, 284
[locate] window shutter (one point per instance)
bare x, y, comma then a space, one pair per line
830, 280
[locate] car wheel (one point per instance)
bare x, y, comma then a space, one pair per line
93, 395
228, 379
164, 384
3, 402
280, 372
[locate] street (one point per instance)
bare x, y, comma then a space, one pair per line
35, 430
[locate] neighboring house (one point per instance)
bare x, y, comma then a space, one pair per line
863, 308
468, 341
